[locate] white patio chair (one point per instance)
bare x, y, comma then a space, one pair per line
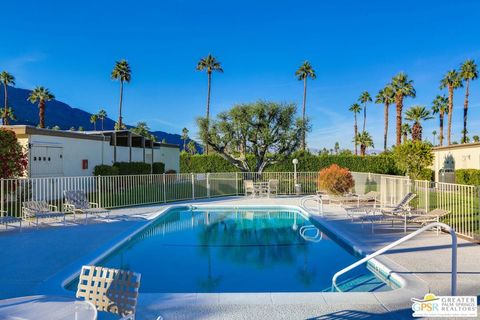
76, 202
110, 290
6, 220
249, 187
272, 187
41, 210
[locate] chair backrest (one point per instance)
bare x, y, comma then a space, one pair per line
110, 290
248, 184
77, 198
36, 206
406, 200
273, 183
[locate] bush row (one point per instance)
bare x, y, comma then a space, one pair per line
128, 168
467, 176
307, 162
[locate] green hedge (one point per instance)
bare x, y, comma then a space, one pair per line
105, 170
307, 162
467, 176
158, 167
128, 168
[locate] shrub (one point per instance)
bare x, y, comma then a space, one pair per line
414, 157
13, 159
335, 179
158, 168
170, 171
468, 176
105, 170
130, 168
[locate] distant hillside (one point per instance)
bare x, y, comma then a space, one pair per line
61, 114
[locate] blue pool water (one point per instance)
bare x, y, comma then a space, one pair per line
238, 250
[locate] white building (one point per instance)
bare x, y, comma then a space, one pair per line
71, 153
457, 156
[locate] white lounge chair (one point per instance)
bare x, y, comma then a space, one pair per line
110, 290
6, 220
76, 202
41, 210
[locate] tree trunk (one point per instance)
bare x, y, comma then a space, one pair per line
303, 145
355, 130
120, 107
399, 107
416, 132
450, 114
363, 149
440, 138
385, 132
5, 111
405, 137
465, 111
41, 113
208, 107
364, 116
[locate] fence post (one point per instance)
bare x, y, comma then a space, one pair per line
427, 196
164, 189
2, 197
193, 186
236, 182
208, 184
99, 187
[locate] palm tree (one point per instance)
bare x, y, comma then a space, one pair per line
102, 114
7, 79
7, 115
468, 72
440, 106
94, 119
305, 71
406, 130
209, 64
365, 141
121, 72
403, 87
386, 96
434, 133
355, 108
42, 95
452, 81
416, 114
184, 137
364, 98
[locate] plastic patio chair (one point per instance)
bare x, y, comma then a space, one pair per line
6, 220
76, 202
273, 187
249, 187
41, 210
110, 290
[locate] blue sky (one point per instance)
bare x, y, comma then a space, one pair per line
70, 47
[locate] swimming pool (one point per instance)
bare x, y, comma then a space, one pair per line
212, 249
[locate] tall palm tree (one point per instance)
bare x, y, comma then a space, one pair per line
42, 95
305, 71
102, 114
403, 87
406, 130
468, 72
365, 98
8, 115
94, 119
440, 106
416, 114
184, 137
434, 133
355, 108
386, 96
122, 73
365, 141
209, 64
8, 80
451, 81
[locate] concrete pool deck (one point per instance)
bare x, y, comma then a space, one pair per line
423, 261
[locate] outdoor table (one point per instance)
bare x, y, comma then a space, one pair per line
47, 307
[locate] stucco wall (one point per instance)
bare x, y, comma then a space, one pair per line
467, 157
169, 156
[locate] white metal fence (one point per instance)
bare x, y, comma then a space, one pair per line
120, 191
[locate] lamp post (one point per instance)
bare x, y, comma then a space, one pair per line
295, 181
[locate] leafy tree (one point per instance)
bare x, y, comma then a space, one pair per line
143, 130
403, 87
13, 158
355, 108
365, 141
365, 98
440, 106
191, 147
476, 138
468, 72
80, 128
94, 119
102, 115
7, 115
434, 133
267, 130
336, 148
55, 128
386, 96
414, 157
451, 81
7, 80
42, 95
416, 114
303, 73
184, 137
406, 130
209, 64
118, 127
122, 73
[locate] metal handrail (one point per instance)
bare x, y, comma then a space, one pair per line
316, 198
402, 240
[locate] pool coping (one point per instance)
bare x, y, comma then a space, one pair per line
411, 285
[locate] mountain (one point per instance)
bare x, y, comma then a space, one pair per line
58, 113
